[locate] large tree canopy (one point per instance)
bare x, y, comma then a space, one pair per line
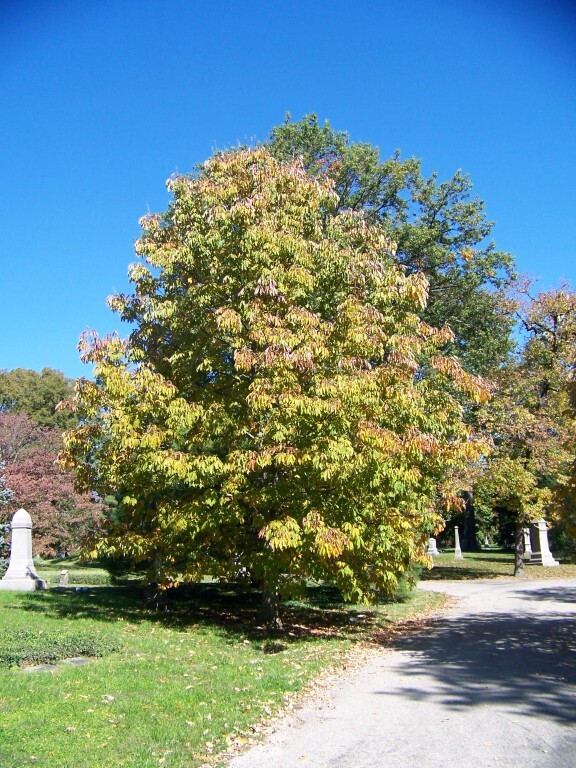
529, 419
280, 408
30, 439
29, 468
36, 394
438, 227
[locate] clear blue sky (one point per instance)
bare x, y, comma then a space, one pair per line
101, 101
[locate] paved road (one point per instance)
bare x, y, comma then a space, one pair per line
491, 683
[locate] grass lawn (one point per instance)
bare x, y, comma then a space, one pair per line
175, 688
185, 683
78, 574
490, 564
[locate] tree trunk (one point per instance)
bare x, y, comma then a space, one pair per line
470, 541
519, 553
269, 614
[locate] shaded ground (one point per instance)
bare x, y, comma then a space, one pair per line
320, 613
491, 682
525, 664
490, 564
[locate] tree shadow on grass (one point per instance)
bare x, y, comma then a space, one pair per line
231, 609
462, 573
475, 565
524, 663
504, 559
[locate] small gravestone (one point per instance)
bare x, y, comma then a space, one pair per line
41, 668
77, 661
527, 544
21, 575
432, 548
63, 580
457, 549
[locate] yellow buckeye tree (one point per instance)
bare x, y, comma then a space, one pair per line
280, 411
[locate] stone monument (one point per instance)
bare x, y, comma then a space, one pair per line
21, 575
541, 554
432, 548
457, 548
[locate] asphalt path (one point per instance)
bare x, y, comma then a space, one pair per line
490, 682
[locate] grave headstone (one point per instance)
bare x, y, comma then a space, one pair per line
527, 544
432, 548
63, 580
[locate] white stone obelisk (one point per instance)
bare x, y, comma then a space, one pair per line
527, 544
457, 549
21, 576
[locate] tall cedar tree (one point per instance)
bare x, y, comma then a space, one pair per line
438, 228
280, 410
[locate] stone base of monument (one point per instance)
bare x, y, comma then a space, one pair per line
20, 584
538, 558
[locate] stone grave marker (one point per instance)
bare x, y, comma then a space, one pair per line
432, 548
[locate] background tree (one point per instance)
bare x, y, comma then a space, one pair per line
565, 496
29, 456
5, 492
37, 394
280, 408
551, 323
5, 496
529, 418
438, 227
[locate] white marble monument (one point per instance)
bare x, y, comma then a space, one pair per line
457, 548
541, 554
21, 575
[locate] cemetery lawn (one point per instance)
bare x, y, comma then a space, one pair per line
78, 573
490, 564
182, 686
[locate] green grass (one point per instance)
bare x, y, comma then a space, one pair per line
41, 644
79, 574
186, 683
176, 688
490, 564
